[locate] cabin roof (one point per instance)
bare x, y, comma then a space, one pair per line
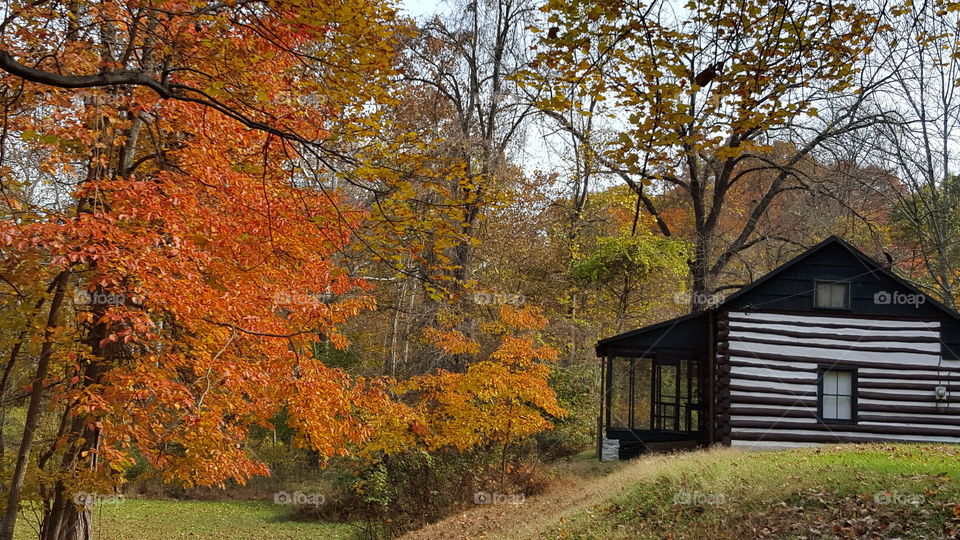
870, 263
648, 336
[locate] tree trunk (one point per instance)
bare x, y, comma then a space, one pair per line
33, 410
699, 271
67, 518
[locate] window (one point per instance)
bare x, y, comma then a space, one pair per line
653, 394
832, 295
837, 401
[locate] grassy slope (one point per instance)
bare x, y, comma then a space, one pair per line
825, 492
137, 519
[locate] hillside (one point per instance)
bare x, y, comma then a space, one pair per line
861, 491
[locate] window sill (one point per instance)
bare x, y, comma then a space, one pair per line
834, 422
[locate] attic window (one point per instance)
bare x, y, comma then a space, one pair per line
832, 295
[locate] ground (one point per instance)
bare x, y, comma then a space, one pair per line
852, 491
861, 491
138, 519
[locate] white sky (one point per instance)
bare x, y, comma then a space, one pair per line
536, 153
420, 8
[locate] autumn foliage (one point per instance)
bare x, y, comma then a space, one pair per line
203, 203
198, 249
503, 395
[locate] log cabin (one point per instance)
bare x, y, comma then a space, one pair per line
830, 347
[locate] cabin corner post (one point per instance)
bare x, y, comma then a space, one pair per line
709, 379
722, 381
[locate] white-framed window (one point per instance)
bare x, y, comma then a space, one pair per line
832, 295
837, 394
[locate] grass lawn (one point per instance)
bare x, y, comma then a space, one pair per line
141, 519
873, 491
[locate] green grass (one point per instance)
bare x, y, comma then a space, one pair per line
140, 519
904, 491
860, 491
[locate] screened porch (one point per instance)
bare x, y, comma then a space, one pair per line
655, 400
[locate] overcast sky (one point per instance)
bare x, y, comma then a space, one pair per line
536, 153
420, 8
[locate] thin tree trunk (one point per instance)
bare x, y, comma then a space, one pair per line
15, 350
33, 410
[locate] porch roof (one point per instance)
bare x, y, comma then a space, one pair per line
691, 331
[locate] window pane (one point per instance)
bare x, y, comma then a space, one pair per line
668, 382
839, 296
830, 382
831, 295
684, 377
694, 376
844, 380
822, 300
620, 393
844, 411
830, 407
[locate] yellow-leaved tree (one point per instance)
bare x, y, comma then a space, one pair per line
689, 99
502, 396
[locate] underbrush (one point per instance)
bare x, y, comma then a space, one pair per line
407, 490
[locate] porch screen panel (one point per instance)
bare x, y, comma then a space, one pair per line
642, 392
667, 412
620, 392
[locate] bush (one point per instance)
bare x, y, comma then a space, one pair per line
407, 490
577, 392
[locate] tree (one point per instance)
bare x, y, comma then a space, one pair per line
502, 396
694, 97
918, 149
467, 59
460, 101
622, 268
178, 291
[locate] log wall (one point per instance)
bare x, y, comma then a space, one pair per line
767, 369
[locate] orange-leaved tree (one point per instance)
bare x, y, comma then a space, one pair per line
171, 230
